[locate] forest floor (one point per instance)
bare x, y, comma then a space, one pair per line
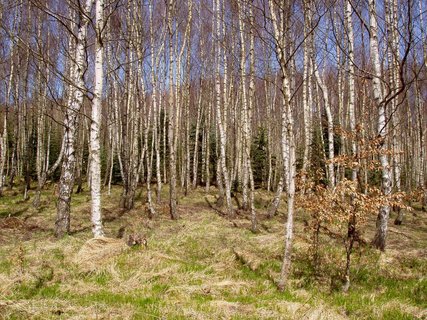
190, 269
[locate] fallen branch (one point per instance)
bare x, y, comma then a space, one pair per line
222, 214
401, 233
335, 235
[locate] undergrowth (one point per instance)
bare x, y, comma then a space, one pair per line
189, 269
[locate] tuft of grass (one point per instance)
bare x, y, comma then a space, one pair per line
5, 265
396, 314
101, 279
36, 289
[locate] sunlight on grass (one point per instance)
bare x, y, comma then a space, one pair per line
189, 270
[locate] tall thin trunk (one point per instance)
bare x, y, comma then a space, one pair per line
251, 107
196, 137
384, 212
172, 118
95, 128
351, 84
288, 142
207, 148
155, 107
306, 91
244, 115
62, 224
219, 115
330, 165
4, 139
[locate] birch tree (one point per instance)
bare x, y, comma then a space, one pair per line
384, 212
66, 182
351, 83
172, 115
287, 137
95, 128
219, 114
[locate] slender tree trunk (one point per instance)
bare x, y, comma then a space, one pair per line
383, 216
251, 107
196, 137
351, 84
219, 116
156, 116
330, 165
244, 114
173, 114
4, 140
306, 91
62, 224
95, 128
207, 152
288, 142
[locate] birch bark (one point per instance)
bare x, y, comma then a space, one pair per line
173, 115
330, 164
288, 143
62, 224
219, 116
383, 216
351, 83
95, 128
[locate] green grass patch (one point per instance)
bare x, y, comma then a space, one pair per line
6, 265
396, 314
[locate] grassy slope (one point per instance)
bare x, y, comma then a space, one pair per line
189, 270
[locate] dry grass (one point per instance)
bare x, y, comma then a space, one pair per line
98, 252
199, 267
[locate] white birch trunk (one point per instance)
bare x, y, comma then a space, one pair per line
196, 137
172, 119
288, 143
95, 127
351, 84
62, 224
306, 91
251, 107
244, 113
383, 215
330, 164
219, 116
4, 141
